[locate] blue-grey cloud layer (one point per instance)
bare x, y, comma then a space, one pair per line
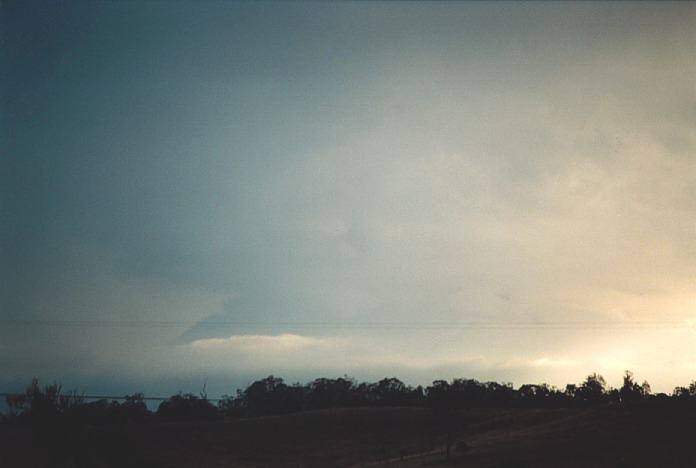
316, 169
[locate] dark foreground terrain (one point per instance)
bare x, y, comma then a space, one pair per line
629, 436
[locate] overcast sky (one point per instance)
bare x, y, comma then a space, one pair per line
221, 191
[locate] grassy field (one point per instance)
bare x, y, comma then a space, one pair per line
641, 436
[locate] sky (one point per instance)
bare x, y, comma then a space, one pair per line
202, 193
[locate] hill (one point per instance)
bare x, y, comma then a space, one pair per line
637, 436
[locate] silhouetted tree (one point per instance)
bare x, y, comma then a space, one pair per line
391, 391
570, 392
43, 403
271, 395
52, 419
444, 401
186, 407
534, 395
325, 393
592, 390
133, 408
631, 391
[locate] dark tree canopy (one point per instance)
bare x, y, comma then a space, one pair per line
272, 395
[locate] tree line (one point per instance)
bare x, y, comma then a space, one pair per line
272, 395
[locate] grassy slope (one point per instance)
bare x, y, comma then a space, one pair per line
607, 437
641, 436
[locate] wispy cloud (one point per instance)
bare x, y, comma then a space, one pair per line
253, 343
551, 362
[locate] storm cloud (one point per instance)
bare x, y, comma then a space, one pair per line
504, 191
